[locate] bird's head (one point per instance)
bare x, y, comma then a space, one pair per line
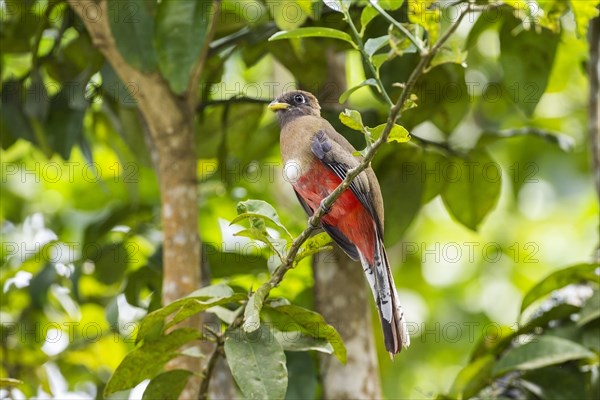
295, 104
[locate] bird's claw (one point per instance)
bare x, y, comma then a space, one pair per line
324, 209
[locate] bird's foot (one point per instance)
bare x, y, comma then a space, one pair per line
324, 209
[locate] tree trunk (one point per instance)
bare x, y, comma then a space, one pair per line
341, 293
169, 121
341, 296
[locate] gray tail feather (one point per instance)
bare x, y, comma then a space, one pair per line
381, 280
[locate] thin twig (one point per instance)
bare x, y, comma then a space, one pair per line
398, 25
566, 143
201, 61
427, 56
393, 115
443, 146
238, 99
367, 58
208, 370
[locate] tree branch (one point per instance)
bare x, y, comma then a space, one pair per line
209, 368
231, 100
199, 67
326, 204
170, 129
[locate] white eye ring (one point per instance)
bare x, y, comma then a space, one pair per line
299, 98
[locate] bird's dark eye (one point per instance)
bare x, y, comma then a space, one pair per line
299, 99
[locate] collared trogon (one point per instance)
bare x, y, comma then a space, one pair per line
316, 160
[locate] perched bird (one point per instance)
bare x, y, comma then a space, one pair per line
316, 160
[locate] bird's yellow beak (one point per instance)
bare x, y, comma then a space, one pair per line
276, 106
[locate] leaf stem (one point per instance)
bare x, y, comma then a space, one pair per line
208, 370
398, 25
366, 57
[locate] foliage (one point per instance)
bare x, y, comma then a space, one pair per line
549, 340
475, 160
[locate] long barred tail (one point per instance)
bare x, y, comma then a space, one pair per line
382, 285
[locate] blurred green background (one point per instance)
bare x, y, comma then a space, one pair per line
81, 231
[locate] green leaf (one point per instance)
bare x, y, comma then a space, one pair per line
290, 318
378, 60
180, 34
306, 6
407, 170
369, 82
110, 262
427, 14
411, 102
138, 281
154, 324
559, 279
253, 308
313, 32
584, 11
64, 127
36, 98
352, 119
367, 15
309, 66
374, 44
14, 121
562, 311
590, 335
526, 78
337, 5
225, 314
302, 376
397, 134
559, 382
494, 344
313, 245
451, 53
220, 290
298, 341
146, 361
541, 352
472, 188
591, 310
277, 246
257, 363
400, 44
259, 211
390, 5
9, 382
167, 385
225, 264
472, 378
194, 307
443, 98
132, 27
289, 14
